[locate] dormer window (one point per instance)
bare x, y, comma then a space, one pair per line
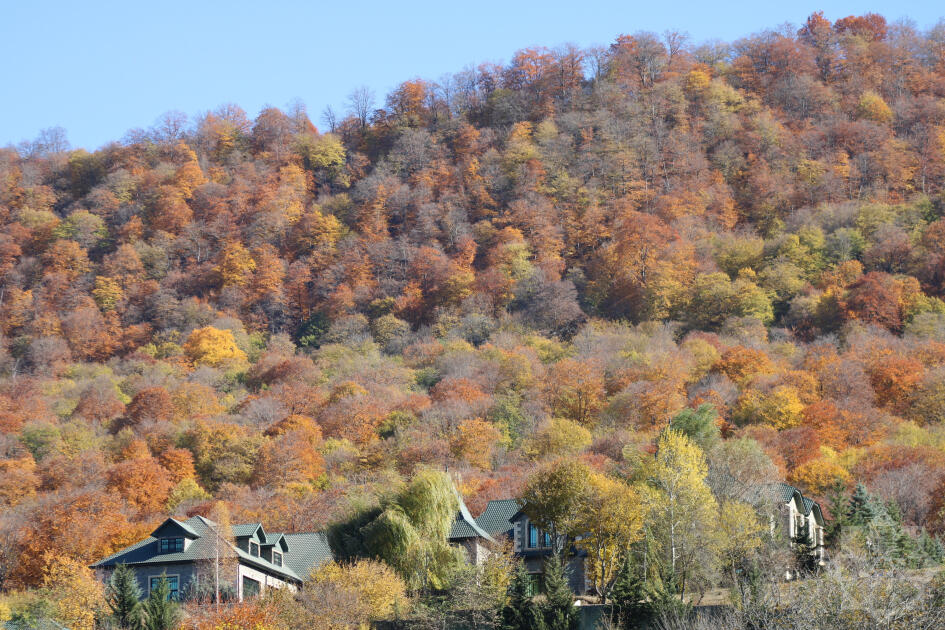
253, 548
172, 545
277, 558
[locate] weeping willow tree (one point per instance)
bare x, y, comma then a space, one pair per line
408, 532
431, 503
390, 536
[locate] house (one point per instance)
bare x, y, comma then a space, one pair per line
496, 518
186, 551
504, 518
534, 546
467, 533
800, 517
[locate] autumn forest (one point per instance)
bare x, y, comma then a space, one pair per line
498, 274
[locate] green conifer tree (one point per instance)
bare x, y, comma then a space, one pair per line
834, 527
520, 613
123, 596
627, 596
805, 560
160, 611
907, 548
558, 607
931, 548
862, 508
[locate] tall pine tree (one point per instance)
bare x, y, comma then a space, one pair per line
932, 549
558, 607
161, 612
123, 596
862, 508
628, 596
520, 613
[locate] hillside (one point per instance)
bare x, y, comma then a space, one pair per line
548, 259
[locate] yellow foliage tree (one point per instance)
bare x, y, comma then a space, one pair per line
873, 107
212, 346
344, 596
77, 595
612, 519
819, 475
576, 389
195, 400
235, 265
681, 513
560, 437
316, 233
18, 480
107, 292
740, 534
474, 441
188, 175
781, 408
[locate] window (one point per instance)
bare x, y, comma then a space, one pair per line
538, 538
250, 587
277, 558
173, 583
172, 545
532, 536
535, 584
253, 549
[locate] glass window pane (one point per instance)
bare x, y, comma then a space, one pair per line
173, 584
250, 587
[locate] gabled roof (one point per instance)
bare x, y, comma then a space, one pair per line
171, 527
277, 540
465, 526
812, 507
309, 551
496, 518
785, 493
249, 530
147, 551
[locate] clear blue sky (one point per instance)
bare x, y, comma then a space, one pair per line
101, 68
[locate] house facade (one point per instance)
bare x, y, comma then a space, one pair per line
800, 517
466, 533
503, 519
534, 546
795, 516
187, 554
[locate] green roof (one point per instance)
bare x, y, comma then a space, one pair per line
495, 518
308, 552
464, 525
785, 492
246, 529
172, 524
147, 551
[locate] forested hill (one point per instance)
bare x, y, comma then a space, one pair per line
512, 264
